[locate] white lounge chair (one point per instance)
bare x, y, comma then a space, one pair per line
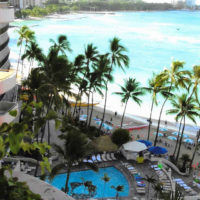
108, 157
94, 158
98, 157
103, 156
113, 156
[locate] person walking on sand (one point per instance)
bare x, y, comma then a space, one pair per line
115, 114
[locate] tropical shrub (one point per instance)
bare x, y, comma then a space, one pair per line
12, 189
120, 136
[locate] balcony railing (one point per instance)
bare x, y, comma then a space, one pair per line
5, 108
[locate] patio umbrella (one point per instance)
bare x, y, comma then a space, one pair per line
98, 122
146, 142
176, 133
163, 129
159, 134
188, 140
172, 138
157, 150
107, 127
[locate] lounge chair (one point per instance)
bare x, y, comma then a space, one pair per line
103, 156
98, 157
108, 157
94, 158
113, 156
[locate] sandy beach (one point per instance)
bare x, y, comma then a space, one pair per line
142, 133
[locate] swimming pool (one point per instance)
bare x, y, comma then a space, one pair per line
116, 178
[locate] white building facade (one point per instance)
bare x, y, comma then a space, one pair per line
22, 4
7, 75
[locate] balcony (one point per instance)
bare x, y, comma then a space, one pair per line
5, 108
7, 80
6, 13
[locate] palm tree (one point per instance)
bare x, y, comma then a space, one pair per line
154, 87
131, 90
62, 44
22, 34
150, 180
196, 78
32, 52
117, 58
196, 147
174, 77
106, 179
91, 56
98, 77
76, 147
183, 107
185, 158
118, 189
29, 36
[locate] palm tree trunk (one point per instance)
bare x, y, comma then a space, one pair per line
19, 59
75, 107
67, 179
104, 109
180, 142
195, 149
88, 108
30, 66
23, 60
91, 109
148, 191
149, 129
49, 135
36, 168
159, 120
178, 137
124, 112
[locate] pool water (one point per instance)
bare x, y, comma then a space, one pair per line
116, 178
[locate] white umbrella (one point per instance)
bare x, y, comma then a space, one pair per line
134, 146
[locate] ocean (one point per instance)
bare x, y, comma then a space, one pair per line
153, 40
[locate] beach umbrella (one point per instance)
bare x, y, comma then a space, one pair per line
159, 134
157, 150
172, 138
176, 133
107, 127
146, 142
188, 140
98, 122
163, 129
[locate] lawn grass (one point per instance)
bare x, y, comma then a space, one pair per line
104, 143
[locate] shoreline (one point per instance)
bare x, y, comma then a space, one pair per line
142, 120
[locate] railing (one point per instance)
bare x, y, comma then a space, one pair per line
3, 37
4, 29
4, 54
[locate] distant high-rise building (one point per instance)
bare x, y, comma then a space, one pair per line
190, 3
22, 4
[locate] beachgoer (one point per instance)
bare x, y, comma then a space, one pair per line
115, 114
111, 119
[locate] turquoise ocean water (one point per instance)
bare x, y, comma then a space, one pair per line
153, 40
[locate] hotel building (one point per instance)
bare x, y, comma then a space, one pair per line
8, 89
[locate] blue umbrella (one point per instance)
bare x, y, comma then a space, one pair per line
157, 150
163, 129
159, 134
184, 135
146, 142
188, 140
107, 127
98, 122
172, 138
